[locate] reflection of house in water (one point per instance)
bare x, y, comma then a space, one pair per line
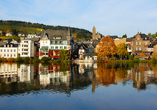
8, 73
26, 73
52, 75
141, 76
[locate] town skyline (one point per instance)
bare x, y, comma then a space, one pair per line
110, 17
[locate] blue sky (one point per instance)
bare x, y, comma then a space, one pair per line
110, 17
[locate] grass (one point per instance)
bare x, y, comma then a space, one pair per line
9, 37
19, 28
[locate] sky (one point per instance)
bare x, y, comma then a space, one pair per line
110, 17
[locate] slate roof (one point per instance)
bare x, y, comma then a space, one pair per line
13, 45
144, 37
129, 39
55, 33
113, 37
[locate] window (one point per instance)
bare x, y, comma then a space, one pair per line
11, 50
11, 55
138, 38
65, 47
61, 47
139, 43
52, 47
8, 55
136, 43
146, 43
25, 41
56, 47
136, 48
4, 50
4, 54
8, 50
140, 48
51, 42
55, 42
14, 50
60, 42
1, 50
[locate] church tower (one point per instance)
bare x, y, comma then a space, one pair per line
93, 33
68, 39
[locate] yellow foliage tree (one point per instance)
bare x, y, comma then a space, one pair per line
106, 47
122, 50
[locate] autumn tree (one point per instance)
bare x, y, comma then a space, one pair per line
142, 55
106, 47
122, 50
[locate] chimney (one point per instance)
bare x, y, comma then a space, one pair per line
140, 32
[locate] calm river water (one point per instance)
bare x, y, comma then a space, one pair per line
78, 86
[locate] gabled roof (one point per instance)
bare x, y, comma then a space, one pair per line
13, 45
113, 37
144, 37
55, 33
82, 45
129, 39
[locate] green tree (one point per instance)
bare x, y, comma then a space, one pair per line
149, 34
64, 55
122, 50
124, 36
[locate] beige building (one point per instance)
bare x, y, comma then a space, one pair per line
95, 35
118, 41
140, 44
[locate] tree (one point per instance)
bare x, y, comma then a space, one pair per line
142, 55
149, 34
122, 50
106, 47
124, 36
64, 55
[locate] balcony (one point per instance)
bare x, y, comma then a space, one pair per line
44, 48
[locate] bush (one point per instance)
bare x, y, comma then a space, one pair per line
19, 59
26, 59
136, 60
45, 59
131, 57
36, 59
11, 59
153, 60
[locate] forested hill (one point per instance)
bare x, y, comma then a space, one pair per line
32, 27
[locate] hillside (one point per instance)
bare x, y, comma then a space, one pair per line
29, 27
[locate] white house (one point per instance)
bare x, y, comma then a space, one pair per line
9, 34
33, 36
9, 50
21, 34
52, 41
26, 48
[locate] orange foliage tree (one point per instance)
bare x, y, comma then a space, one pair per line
142, 55
106, 47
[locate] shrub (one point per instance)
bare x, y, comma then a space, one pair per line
19, 59
45, 59
136, 60
131, 57
36, 59
11, 59
26, 59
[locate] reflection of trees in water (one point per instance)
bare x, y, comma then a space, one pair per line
103, 73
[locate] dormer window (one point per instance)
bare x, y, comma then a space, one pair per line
138, 38
145, 38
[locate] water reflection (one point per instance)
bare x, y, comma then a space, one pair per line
66, 78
